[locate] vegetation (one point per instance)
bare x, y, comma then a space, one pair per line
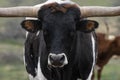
12, 72
16, 71
111, 71
12, 38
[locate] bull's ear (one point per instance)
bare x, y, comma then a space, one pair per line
31, 25
87, 25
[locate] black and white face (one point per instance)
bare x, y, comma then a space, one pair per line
59, 31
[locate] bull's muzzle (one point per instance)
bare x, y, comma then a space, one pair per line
57, 60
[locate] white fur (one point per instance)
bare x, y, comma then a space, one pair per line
27, 33
59, 1
39, 72
97, 67
51, 1
37, 33
111, 37
39, 75
93, 47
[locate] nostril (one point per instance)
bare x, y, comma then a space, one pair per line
58, 60
62, 58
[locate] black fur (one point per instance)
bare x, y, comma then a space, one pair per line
60, 33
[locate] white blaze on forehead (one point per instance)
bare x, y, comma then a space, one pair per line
93, 49
45, 3
58, 0
52, 1
48, 2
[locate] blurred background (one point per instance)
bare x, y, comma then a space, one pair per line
12, 38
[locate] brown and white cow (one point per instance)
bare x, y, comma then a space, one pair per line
107, 48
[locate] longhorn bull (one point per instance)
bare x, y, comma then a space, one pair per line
60, 43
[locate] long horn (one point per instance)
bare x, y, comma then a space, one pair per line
99, 11
107, 29
21, 11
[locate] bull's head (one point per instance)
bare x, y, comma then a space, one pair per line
59, 23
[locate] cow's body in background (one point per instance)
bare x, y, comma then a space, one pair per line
107, 48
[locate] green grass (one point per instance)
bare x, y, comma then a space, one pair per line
11, 62
18, 42
9, 46
112, 70
12, 72
94, 2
